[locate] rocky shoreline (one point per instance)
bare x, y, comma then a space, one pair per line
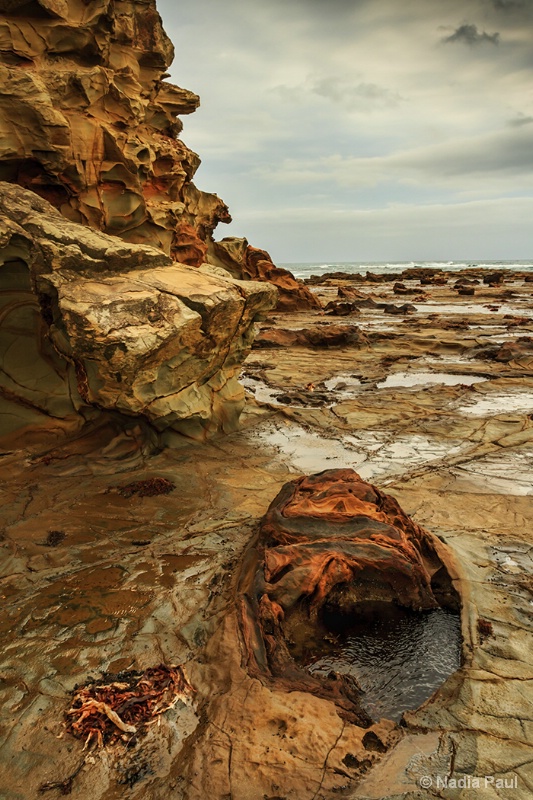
136, 580
173, 568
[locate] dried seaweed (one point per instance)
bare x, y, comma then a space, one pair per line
121, 706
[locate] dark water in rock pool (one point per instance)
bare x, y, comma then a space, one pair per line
399, 657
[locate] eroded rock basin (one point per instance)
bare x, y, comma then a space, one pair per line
343, 602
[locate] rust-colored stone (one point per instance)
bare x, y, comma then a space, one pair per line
293, 295
520, 348
332, 538
332, 336
249, 263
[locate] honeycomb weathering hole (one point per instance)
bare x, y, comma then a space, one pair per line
346, 597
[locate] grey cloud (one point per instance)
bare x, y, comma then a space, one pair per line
469, 34
503, 152
506, 5
519, 121
491, 229
350, 96
484, 162
352, 99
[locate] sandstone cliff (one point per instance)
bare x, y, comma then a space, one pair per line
88, 122
102, 227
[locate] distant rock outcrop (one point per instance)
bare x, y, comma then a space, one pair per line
247, 262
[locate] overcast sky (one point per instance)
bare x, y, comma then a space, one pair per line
353, 130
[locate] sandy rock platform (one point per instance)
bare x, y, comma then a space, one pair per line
432, 405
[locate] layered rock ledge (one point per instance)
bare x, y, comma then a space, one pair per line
92, 323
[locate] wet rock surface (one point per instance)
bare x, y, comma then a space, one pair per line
95, 579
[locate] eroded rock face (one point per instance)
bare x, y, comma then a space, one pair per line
90, 322
249, 263
332, 540
89, 123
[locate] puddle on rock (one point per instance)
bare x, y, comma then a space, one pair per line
393, 455
342, 384
262, 392
371, 453
324, 394
399, 657
408, 379
308, 451
468, 309
499, 404
509, 473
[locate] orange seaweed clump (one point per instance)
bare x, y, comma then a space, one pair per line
121, 706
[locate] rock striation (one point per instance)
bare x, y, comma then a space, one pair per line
91, 322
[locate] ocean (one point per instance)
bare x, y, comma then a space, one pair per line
306, 269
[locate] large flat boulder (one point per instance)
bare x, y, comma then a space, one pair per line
89, 322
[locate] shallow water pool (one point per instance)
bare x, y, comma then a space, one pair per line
399, 657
